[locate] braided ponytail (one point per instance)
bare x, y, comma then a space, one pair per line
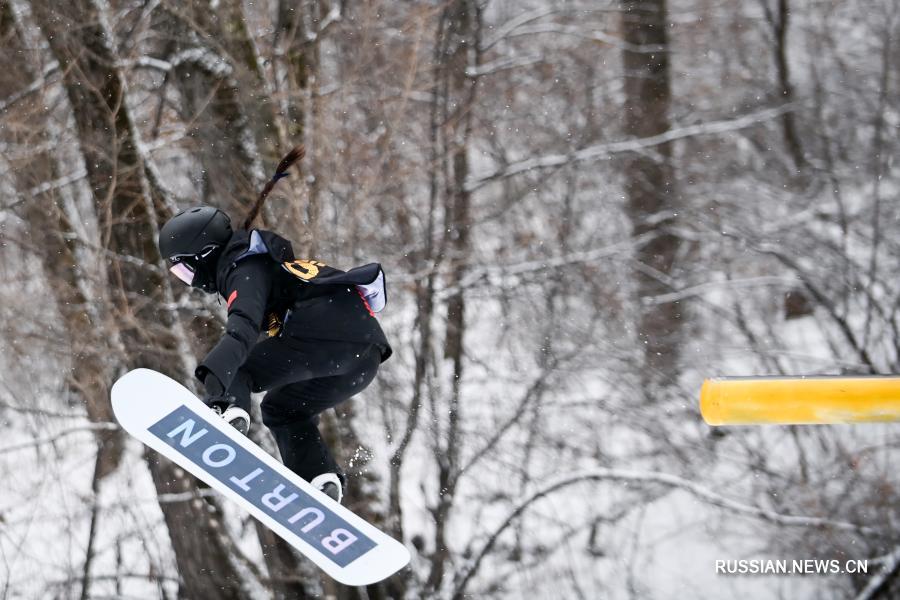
290, 158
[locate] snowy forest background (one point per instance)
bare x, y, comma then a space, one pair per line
583, 208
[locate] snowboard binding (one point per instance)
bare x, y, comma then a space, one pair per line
235, 416
330, 484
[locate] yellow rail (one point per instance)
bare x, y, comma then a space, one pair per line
800, 400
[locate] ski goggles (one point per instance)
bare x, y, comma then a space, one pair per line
184, 266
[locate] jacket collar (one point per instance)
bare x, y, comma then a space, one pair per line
244, 243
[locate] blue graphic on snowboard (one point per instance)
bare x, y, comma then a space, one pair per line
259, 484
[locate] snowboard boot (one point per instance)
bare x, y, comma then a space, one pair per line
330, 484
235, 416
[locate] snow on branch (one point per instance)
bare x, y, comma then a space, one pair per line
185, 496
625, 476
118, 256
748, 282
877, 582
607, 150
502, 64
147, 62
592, 35
203, 58
524, 24
59, 182
506, 30
510, 275
218, 67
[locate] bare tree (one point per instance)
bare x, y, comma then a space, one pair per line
127, 207
457, 43
583, 209
653, 196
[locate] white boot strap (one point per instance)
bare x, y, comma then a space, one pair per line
319, 482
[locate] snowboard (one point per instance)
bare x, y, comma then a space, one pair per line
166, 416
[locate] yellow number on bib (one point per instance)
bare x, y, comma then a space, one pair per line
304, 269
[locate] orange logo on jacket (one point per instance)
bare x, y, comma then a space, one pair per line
231, 299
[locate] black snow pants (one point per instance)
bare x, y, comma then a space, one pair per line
303, 378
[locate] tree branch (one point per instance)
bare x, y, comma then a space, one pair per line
700, 492
607, 150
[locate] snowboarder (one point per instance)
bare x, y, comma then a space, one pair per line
323, 343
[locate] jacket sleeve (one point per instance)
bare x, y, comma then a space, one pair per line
247, 292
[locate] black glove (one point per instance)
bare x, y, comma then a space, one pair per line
215, 396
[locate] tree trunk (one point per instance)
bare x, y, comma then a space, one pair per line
652, 199
458, 47
54, 244
211, 101
127, 222
779, 21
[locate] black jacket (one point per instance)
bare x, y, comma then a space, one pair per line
267, 289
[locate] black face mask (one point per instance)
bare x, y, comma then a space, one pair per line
198, 271
205, 278
205, 274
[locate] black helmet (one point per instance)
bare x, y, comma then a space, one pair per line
192, 241
193, 231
